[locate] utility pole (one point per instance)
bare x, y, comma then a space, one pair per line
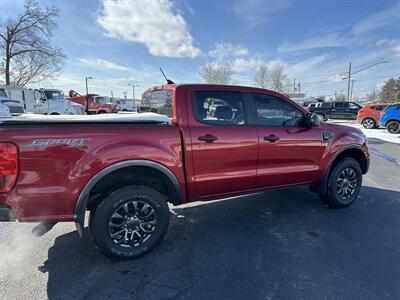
348, 82
351, 90
112, 96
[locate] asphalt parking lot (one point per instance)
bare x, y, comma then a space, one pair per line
275, 245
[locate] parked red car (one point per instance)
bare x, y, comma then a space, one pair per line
219, 141
368, 116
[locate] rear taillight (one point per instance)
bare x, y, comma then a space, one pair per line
8, 166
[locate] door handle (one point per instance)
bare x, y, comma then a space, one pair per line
271, 138
208, 138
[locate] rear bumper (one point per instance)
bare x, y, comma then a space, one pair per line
6, 214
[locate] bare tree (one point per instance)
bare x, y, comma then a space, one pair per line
262, 78
27, 56
279, 80
217, 73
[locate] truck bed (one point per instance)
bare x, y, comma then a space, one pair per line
142, 118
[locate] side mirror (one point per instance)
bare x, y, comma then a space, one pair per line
313, 120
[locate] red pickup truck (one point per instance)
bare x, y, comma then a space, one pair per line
219, 141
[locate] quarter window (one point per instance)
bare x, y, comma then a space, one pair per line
219, 107
273, 111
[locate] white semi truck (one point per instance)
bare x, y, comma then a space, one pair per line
44, 101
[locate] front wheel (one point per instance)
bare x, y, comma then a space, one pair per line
393, 127
344, 184
130, 222
322, 117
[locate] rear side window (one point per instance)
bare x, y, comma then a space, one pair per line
325, 105
340, 105
218, 107
273, 111
158, 102
379, 107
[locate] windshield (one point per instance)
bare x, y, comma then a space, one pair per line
157, 101
54, 95
3, 93
101, 100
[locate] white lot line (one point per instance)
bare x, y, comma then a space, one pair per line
380, 133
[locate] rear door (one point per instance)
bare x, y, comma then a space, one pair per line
224, 146
289, 153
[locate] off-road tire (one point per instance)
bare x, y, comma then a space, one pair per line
101, 228
332, 198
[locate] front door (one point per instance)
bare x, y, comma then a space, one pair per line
352, 111
289, 153
224, 147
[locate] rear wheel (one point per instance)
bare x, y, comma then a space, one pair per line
368, 123
344, 184
130, 222
393, 127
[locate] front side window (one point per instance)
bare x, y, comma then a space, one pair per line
353, 105
274, 111
219, 107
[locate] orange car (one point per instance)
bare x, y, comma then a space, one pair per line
368, 116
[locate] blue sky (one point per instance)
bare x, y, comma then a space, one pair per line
125, 41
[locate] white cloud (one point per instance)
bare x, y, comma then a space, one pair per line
243, 65
254, 12
307, 66
155, 24
98, 63
396, 50
378, 20
327, 41
222, 50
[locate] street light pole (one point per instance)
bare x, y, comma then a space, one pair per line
133, 92
87, 94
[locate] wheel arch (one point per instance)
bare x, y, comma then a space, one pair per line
83, 199
354, 151
390, 120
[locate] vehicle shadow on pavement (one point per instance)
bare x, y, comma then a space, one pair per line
277, 244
